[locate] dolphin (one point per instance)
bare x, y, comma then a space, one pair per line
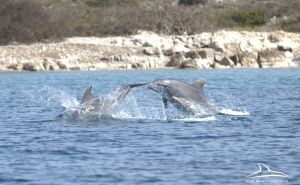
104, 105
189, 98
265, 171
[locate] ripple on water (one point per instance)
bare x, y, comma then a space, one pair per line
143, 143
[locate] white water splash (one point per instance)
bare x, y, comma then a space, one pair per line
227, 104
50, 95
233, 112
196, 120
128, 109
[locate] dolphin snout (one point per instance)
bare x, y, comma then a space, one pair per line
153, 86
150, 86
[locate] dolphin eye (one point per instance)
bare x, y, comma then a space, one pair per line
163, 85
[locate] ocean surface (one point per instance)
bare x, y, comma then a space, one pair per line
143, 143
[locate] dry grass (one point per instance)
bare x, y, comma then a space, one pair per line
27, 21
37, 20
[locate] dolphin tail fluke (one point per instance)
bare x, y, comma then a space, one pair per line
87, 95
125, 89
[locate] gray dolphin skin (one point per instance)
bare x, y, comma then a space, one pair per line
104, 105
189, 98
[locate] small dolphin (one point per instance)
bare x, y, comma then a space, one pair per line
265, 171
186, 97
104, 105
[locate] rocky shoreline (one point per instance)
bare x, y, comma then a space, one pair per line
147, 50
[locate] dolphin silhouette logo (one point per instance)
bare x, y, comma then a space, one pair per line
265, 171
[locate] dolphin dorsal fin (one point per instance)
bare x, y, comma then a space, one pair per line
87, 95
263, 167
199, 84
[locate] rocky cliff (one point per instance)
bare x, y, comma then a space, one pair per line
147, 50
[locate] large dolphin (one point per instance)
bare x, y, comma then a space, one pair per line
104, 105
189, 98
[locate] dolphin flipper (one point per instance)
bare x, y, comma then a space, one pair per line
87, 95
186, 103
165, 101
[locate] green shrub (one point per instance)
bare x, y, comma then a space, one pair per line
35, 20
27, 21
110, 2
192, 2
250, 19
291, 25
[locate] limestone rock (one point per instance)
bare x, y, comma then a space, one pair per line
207, 53
179, 48
189, 64
192, 55
151, 64
273, 38
33, 66
285, 46
63, 64
134, 66
128, 66
153, 51
118, 58
217, 46
147, 44
219, 66
139, 66
218, 57
223, 61
176, 60
3, 68
76, 68
236, 59
296, 62
50, 65
205, 38
145, 50
248, 59
226, 62
106, 59
270, 58
100, 66
244, 47
17, 66
288, 54
204, 63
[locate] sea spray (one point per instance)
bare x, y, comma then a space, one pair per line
227, 103
49, 95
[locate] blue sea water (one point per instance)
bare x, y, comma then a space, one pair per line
143, 143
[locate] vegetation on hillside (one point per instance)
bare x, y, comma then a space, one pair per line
40, 20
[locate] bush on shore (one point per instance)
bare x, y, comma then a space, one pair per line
27, 21
36, 20
192, 2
